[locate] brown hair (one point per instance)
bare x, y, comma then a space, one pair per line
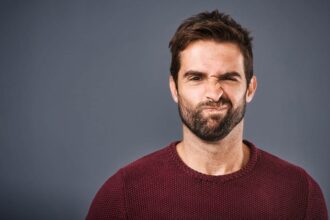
211, 26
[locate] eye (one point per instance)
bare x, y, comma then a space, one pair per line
230, 78
195, 78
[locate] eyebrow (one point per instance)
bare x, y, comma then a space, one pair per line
230, 74
221, 76
193, 73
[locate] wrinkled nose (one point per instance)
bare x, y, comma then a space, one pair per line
214, 91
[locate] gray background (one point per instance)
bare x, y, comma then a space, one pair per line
84, 91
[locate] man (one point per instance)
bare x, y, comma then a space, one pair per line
212, 173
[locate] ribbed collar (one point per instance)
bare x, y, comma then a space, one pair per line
254, 156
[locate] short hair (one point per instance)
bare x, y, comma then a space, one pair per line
215, 26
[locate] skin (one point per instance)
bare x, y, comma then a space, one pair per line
210, 70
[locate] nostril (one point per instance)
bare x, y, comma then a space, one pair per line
214, 93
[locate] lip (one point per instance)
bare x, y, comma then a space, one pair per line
215, 109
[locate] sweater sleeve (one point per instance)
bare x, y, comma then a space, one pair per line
316, 207
109, 202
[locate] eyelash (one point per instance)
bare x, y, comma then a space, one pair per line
231, 79
195, 78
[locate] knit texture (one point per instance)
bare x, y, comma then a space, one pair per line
161, 186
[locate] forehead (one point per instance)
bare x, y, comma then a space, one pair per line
212, 57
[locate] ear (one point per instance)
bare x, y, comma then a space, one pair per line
173, 89
251, 89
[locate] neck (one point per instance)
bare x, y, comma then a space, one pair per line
214, 158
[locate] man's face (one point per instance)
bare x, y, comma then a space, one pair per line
212, 90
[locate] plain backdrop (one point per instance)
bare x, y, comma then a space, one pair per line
84, 91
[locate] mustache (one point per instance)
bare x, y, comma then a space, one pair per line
213, 104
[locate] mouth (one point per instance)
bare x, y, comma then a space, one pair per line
215, 109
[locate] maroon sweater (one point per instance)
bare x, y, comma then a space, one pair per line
161, 186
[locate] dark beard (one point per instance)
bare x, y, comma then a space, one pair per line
198, 124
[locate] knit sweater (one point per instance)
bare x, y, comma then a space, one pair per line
161, 186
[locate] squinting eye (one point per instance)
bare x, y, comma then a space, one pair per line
230, 79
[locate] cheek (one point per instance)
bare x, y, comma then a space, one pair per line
192, 95
235, 95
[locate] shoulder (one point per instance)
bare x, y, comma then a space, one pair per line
110, 200
291, 181
286, 173
275, 164
145, 165
154, 159
300, 182
148, 165
275, 169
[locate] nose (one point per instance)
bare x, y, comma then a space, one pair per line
214, 91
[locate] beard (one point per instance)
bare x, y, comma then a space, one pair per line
213, 127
